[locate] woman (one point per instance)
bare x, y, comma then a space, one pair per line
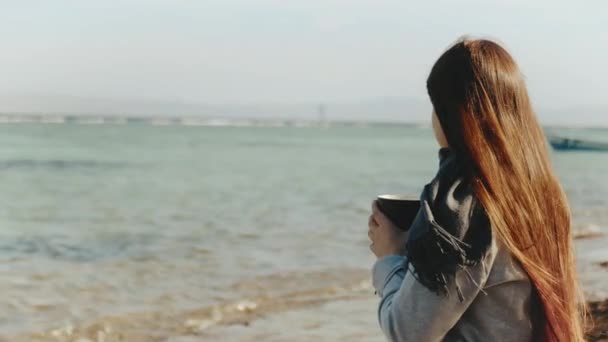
489, 256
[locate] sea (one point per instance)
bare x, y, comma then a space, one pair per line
138, 232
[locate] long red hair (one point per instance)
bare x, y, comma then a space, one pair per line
481, 101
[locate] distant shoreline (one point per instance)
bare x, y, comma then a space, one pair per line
188, 120
209, 121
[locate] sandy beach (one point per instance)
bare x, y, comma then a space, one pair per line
344, 309
328, 305
351, 319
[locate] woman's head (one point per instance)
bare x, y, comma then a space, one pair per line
476, 87
481, 103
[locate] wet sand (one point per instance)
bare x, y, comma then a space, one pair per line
330, 305
343, 320
352, 321
347, 316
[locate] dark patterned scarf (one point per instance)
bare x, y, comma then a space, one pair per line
451, 230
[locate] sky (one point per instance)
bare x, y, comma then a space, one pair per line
238, 52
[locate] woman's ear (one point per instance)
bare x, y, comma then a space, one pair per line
439, 134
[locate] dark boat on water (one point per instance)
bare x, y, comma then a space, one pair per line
566, 144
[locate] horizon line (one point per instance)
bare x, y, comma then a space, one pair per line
210, 120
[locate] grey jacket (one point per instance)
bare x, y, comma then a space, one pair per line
499, 309
458, 281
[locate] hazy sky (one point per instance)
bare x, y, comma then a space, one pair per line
243, 51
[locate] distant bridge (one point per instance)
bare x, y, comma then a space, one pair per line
162, 120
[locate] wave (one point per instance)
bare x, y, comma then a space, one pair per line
81, 248
587, 232
58, 164
159, 325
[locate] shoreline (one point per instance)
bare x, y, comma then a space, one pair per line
228, 121
350, 318
339, 312
341, 318
342, 309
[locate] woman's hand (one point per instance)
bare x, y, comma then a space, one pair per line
386, 238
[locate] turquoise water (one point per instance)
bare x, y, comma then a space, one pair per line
119, 220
